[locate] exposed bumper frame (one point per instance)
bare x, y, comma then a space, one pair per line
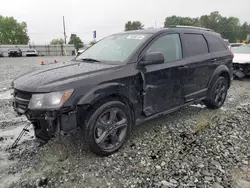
48, 124
241, 70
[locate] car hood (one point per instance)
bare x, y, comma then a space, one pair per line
241, 58
53, 75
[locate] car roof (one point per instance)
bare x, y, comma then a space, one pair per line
174, 29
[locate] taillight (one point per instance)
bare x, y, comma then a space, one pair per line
232, 54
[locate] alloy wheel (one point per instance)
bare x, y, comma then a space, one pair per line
220, 92
110, 129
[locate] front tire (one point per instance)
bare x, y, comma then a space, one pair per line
107, 127
217, 94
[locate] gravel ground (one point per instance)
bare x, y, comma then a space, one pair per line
194, 147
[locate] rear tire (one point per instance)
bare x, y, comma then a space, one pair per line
107, 127
217, 93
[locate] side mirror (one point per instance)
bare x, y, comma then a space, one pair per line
152, 58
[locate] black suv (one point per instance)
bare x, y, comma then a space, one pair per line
123, 80
15, 52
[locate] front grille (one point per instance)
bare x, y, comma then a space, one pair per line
21, 100
22, 94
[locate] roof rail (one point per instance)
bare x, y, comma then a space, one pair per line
191, 27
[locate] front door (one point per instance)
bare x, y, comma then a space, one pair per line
163, 83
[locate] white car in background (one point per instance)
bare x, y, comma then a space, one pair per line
241, 61
31, 52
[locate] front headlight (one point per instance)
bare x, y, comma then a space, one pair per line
49, 100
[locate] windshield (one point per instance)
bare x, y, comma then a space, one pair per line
242, 49
115, 48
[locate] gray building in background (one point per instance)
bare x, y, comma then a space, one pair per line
43, 50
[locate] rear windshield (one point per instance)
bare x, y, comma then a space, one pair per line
116, 48
242, 49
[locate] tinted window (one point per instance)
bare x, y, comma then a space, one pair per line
215, 44
195, 44
169, 46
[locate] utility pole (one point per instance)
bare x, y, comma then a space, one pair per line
64, 32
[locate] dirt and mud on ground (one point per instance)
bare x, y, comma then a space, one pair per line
194, 147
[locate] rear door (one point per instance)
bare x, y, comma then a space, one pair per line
219, 52
196, 53
163, 83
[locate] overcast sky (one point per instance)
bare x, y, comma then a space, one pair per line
44, 17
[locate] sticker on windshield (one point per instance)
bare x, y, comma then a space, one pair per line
137, 37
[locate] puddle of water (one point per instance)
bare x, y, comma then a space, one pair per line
9, 135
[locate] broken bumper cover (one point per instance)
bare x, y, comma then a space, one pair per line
241, 69
47, 123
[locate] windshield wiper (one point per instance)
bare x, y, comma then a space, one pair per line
89, 60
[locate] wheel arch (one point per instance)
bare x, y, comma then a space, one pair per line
115, 96
104, 93
222, 70
227, 76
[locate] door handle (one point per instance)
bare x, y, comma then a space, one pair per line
183, 67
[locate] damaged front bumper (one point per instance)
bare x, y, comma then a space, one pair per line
47, 123
241, 70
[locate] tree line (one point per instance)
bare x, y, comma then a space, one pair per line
74, 39
229, 27
14, 32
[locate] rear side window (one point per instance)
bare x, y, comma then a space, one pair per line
215, 44
195, 44
169, 45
